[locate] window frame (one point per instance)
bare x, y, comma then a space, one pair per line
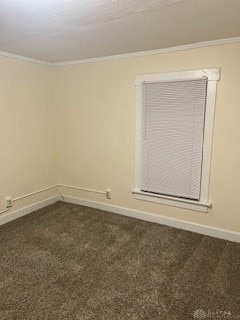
213, 75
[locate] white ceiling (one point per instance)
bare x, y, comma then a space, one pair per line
62, 30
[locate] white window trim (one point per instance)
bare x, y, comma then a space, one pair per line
213, 76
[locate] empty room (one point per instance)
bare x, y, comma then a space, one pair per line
119, 159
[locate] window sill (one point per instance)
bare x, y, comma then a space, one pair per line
171, 201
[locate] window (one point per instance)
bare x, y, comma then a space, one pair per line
175, 114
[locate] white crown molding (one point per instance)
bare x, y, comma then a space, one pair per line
125, 55
150, 52
15, 56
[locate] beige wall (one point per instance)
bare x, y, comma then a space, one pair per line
27, 137
96, 105
76, 125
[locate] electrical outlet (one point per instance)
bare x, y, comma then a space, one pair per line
9, 202
108, 194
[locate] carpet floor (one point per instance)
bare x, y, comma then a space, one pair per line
72, 262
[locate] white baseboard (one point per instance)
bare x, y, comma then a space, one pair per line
180, 224
22, 212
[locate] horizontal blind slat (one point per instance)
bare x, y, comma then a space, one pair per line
171, 146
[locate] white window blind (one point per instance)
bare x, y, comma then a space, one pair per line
173, 115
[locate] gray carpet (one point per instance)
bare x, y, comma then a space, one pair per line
72, 262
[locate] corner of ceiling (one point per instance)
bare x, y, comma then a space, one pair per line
125, 55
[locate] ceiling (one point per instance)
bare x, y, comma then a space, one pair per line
64, 30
